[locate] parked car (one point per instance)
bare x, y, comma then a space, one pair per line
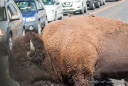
92, 4
11, 25
34, 14
72, 6
53, 9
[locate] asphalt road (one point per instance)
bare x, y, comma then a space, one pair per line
113, 9
116, 10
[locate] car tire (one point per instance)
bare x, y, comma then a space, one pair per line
85, 10
104, 2
39, 28
91, 6
61, 17
101, 2
97, 4
10, 42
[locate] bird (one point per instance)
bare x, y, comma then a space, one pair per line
91, 14
69, 14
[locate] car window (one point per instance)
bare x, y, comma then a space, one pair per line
39, 4
3, 16
48, 2
12, 10
26, 6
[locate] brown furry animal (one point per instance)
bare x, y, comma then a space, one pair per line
66, 53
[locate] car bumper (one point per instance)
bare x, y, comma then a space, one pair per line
71, 9
31, 26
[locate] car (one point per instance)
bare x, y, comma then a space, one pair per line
11, 25
73, 6
54, 10
34, 14
92, 4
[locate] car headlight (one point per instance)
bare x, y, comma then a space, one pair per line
77, 1
1, 32
30, 19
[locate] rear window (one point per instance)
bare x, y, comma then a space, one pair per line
26, 6
3, 16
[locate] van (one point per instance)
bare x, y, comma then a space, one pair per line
34, 14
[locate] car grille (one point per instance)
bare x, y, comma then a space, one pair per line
67, 4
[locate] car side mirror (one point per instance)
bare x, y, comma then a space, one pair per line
41, 8
57, 3
15, 17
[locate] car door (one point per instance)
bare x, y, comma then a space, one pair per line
11, 23
17, 23
20, 24
41, 13
58, 8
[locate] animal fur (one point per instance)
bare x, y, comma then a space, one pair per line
67, 50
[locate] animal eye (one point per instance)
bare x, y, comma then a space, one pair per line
22, 60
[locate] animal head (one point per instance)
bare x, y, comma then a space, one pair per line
27, 63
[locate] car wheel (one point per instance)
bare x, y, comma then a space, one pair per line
61, 17
85, 10
101, 2
10, 42
104, 2
97, 4
91, 6
39, 28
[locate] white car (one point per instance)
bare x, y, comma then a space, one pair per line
54, 10
72, 6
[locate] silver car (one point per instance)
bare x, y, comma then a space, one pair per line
11, 25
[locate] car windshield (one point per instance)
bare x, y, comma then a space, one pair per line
26, 6
48, 2
3, 16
